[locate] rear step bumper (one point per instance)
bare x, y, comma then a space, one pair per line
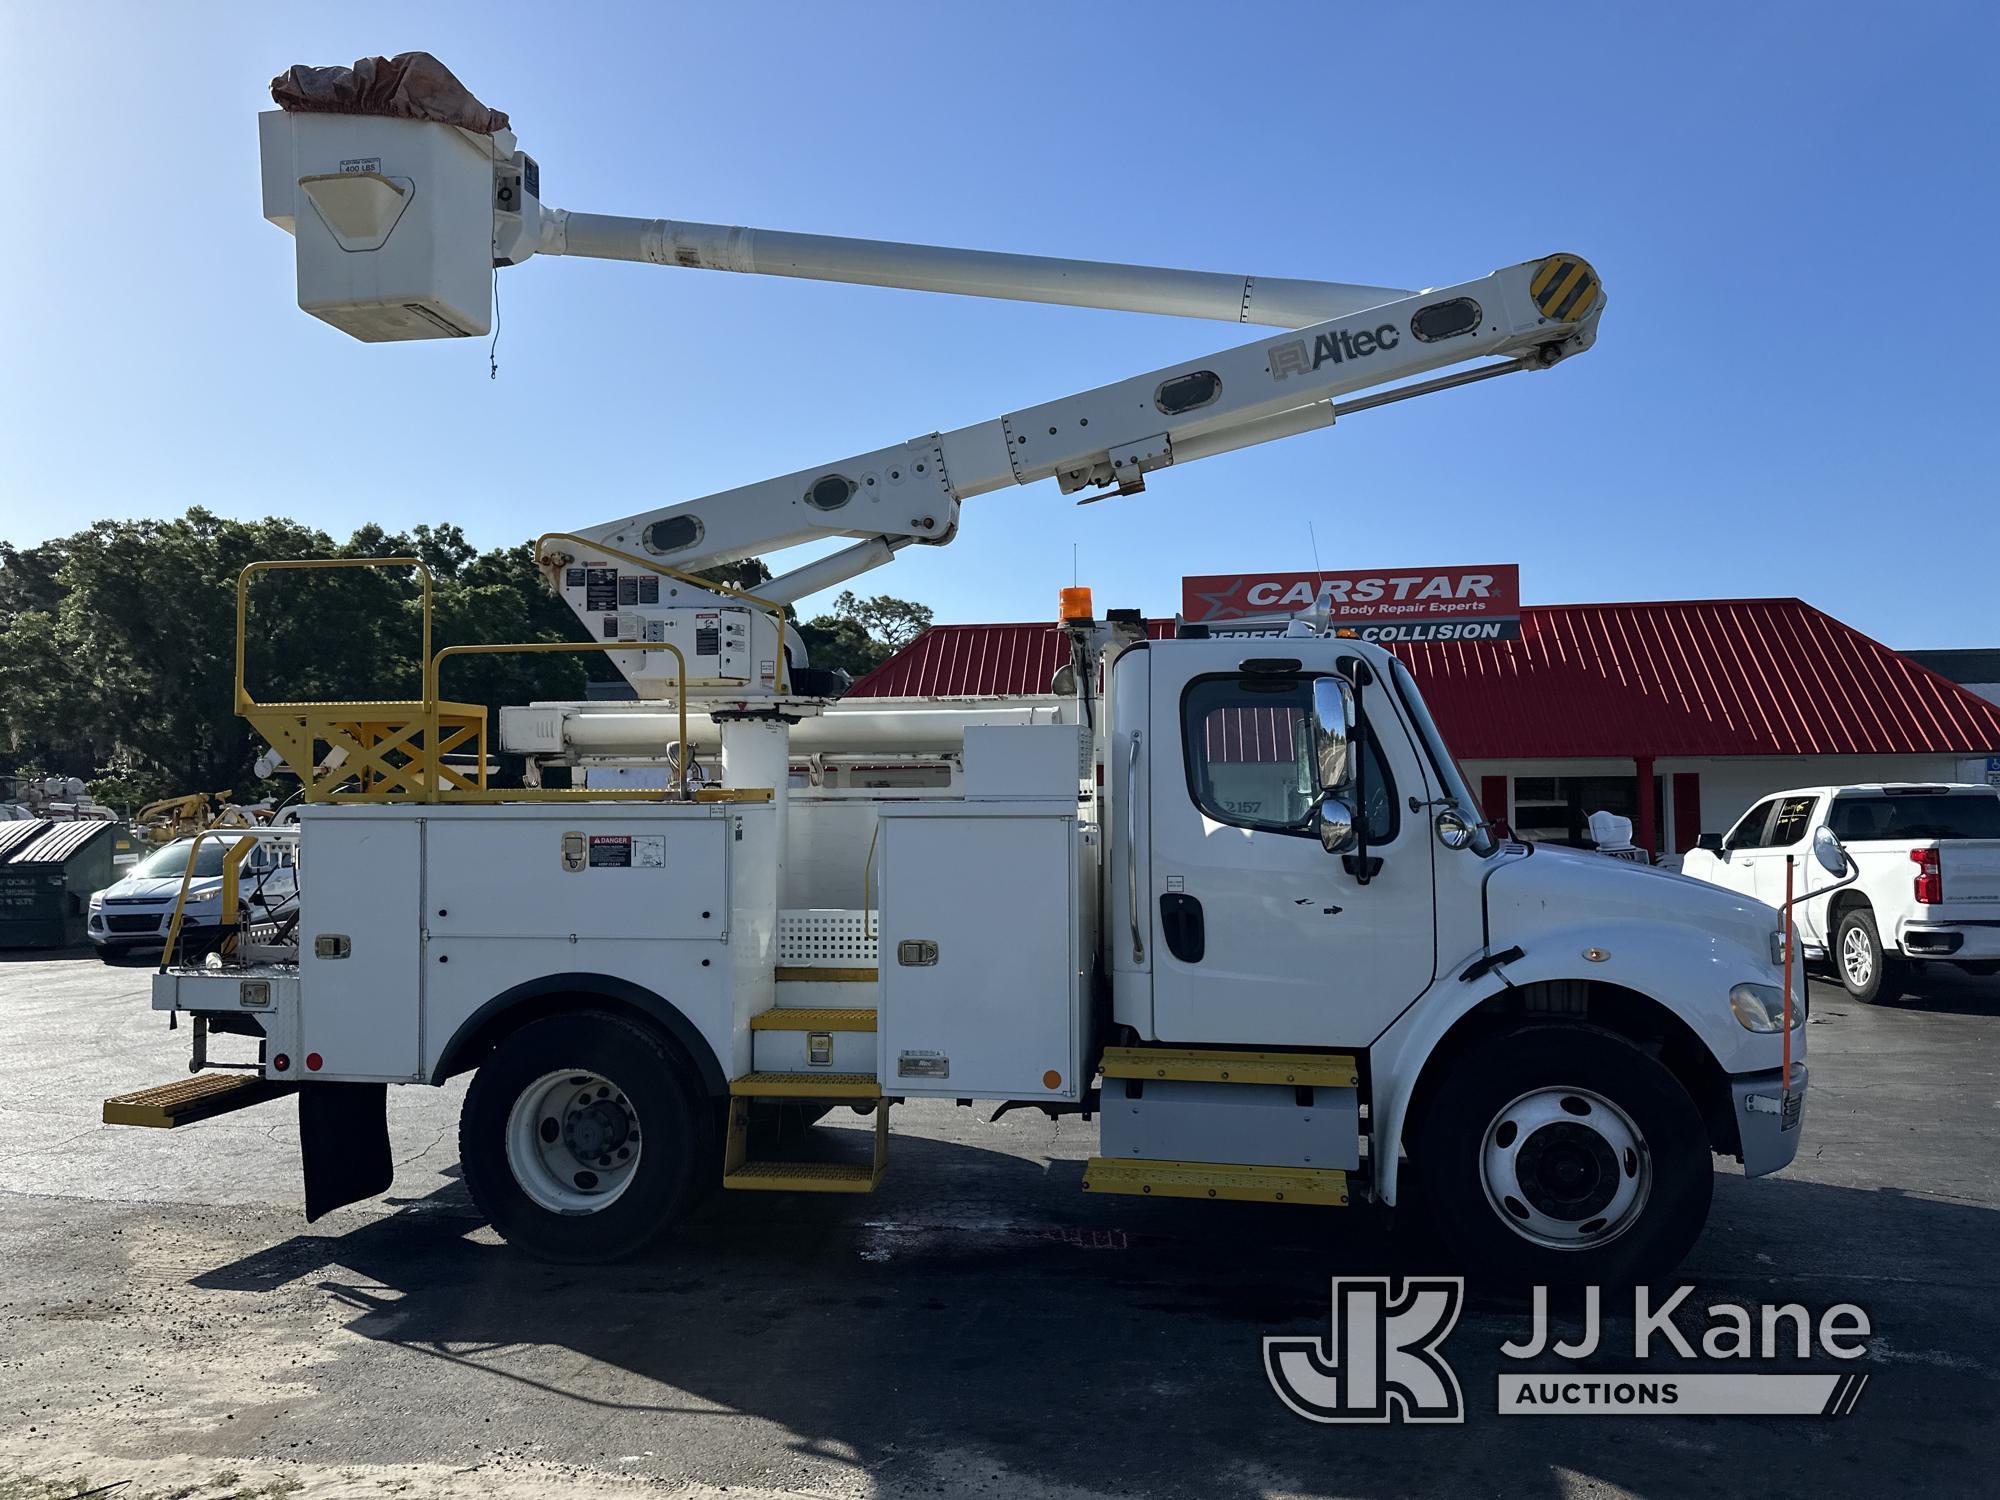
187, 1100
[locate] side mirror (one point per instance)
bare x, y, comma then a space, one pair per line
1710, 843
1334, 822
1332, 731
1827, 849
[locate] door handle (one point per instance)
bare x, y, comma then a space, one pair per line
1181, 926
1132, 847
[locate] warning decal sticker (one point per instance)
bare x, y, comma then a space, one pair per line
610, 851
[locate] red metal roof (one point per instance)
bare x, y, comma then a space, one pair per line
1700, 677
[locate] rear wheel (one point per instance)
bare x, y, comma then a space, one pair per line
582, 1138
1866, 972
1564, 1154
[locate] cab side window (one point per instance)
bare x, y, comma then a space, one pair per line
1794, 817
1749, 834
1248, 742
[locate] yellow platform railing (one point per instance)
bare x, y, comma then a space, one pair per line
395, 750
232, 865
387, 750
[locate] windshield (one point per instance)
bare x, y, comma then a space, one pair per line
172, 861
1453, 779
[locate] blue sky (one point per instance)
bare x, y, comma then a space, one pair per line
1792, 206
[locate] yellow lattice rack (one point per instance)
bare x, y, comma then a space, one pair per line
395, 750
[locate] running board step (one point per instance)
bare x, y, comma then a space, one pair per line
187, 1100
1331, 1070
744, 1175
808, 974
805, 1086
815, 1018
1200, 1179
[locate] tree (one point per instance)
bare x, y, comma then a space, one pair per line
861, 634
892, 621
118, 644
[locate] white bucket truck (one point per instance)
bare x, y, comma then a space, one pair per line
1231, 896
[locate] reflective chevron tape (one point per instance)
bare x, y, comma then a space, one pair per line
1564, 288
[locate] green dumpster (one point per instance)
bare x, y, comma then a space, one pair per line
47, 873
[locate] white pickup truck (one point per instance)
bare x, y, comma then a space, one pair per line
1928, 888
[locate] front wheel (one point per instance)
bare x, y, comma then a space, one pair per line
1564, 1154
581, 1139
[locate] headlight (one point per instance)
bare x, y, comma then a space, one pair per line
1761, 1007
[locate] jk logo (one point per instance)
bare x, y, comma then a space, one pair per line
1380, 1361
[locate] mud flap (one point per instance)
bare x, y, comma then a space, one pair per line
344, 1139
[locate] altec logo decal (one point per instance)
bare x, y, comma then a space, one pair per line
1295, 358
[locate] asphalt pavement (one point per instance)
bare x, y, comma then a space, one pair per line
170, 1325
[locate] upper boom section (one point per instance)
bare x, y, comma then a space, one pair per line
1276, 301
399, 224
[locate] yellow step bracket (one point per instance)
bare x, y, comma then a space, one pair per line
742, 1174
807, 974
1197, 1179
805, 1086
814, 1018
1329, 1070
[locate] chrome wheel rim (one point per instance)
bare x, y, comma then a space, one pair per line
1857, 961
573, 1142
1566, 1169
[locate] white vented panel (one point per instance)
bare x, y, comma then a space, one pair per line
826, 937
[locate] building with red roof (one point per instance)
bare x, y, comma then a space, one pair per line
1714, 702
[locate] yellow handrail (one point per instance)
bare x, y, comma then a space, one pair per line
432, 673
775, 611
243, 698
230, 862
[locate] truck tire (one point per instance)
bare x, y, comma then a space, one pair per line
1866, 972
582, 1137
1563, 1154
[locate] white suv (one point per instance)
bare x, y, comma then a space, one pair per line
137, 911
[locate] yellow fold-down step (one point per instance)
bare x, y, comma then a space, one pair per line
811, 974
805, 1086
804, 1177
814, 1018
1331, 1070
186, 1100
1197, 1179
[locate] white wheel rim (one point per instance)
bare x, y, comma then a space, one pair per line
1566, 1169
573, 1142
1856, 958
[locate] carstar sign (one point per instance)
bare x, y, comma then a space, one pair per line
1391, 604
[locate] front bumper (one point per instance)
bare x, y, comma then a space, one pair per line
1769, 1118
191, 932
